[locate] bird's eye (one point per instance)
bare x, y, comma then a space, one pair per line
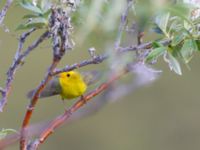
68, 75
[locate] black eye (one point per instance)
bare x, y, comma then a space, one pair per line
68, 75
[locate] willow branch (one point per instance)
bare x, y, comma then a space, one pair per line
147, 45
4, 10
33, 102
123, 23
18, 61
96, 60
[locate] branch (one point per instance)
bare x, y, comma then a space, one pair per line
22, 40
4, 10
18, 61
33, 102
96, 60
147, 45
81, 102
59, 26
123, 23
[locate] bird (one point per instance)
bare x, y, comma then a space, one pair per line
68, 85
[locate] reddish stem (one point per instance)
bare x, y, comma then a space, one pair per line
32, 104
62, 118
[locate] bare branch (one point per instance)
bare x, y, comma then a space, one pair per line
18, 61
96, 60
32, 104
123, 23
4, 10
147, 45
22, 40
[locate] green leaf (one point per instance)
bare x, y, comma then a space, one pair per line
44, 4
162, 21
173, 64
28, 16
187, 50
30, 6
47, 13
5, 132
155, 53
198, 44
30, 26
156, 44
34, 23
182, 11
177, 39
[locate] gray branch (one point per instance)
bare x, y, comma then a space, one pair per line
18, 61
4, 10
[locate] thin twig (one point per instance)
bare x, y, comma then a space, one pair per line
96, 60
4, 10
22, 40
17, 62
147, 45
82, 101
123, 23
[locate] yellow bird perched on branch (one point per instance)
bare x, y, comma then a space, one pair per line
68, 85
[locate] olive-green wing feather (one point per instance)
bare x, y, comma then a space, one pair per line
52, 88
91, 77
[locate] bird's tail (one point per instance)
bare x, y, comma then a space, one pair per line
43, 94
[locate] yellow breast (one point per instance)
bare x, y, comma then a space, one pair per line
72, 85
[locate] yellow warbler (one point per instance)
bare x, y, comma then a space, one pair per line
69, 85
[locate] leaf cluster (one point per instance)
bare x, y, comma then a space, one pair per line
178, 24
39, 16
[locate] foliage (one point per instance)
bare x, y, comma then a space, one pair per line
179, 25
39, 16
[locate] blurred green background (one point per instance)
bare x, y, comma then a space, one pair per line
160, 116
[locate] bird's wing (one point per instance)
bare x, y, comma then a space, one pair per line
52, 88
90, 77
